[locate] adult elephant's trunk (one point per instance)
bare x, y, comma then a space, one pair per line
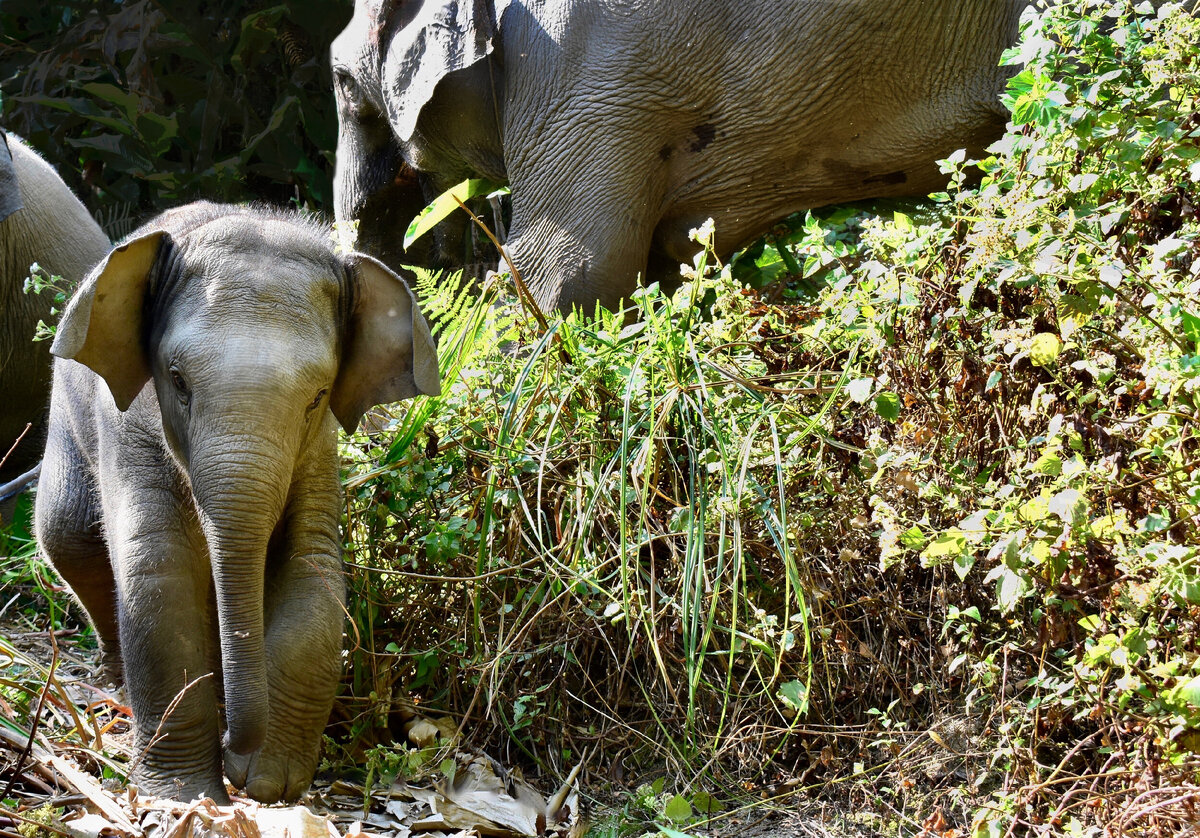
240, 492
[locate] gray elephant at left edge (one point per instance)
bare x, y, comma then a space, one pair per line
190, 489
40, 221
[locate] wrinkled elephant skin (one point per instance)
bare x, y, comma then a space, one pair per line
621, 126
189, 492
40, 221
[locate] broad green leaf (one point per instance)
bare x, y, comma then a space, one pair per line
950, 543
1034, 511
678, 809
887, 405
1040, 551
705, 803
1065, 505
795, 693
913, 538
445, 204
1189, 691
1048, 464
1191, 325
1009, 590
963, 564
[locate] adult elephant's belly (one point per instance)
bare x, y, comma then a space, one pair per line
747, 183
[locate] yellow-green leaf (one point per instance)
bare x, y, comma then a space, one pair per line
678, 808
1044, 349
445, 204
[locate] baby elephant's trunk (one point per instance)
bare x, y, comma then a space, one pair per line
241, 498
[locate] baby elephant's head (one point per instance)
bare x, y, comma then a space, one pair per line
250, 321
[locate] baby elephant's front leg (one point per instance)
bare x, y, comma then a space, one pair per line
304, 613
163, 584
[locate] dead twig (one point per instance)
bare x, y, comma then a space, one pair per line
33, 725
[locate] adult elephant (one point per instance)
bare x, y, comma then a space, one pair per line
622, 125
40, 221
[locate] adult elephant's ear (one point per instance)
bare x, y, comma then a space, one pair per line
443, 36
387, 353
103, 326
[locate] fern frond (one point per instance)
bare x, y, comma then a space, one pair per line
117, 220
445, 297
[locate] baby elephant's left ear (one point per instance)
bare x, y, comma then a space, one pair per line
388, 353
103, 325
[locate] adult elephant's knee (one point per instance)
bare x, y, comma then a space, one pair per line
569, 267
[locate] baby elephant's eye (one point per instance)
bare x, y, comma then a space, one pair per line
316, 402
180, 384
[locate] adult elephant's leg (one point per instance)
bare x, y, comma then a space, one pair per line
582, 226
164, 590
304, 613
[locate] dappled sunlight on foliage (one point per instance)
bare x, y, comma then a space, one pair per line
911, 529
922, 535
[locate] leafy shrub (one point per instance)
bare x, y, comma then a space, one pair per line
935, 518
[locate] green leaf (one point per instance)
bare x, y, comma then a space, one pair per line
1191, 325
913, 538
678, 809
260, 32
705, 803
887, 405
1189, 691
1066, 504
284, 107
1049, 464
963, 564
950, 543
795, 693
445, 204
1009, 590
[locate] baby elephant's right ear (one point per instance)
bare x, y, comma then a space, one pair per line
103, 326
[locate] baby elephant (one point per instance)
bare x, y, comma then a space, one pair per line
190, 493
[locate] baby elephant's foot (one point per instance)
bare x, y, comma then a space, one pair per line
180, 789
275, 772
